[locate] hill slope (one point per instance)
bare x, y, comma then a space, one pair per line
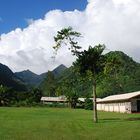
9, 79
122, 79
29, 77
33, 79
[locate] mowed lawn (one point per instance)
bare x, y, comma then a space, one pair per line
66, 124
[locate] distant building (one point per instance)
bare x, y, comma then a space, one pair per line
125, 103
60, 99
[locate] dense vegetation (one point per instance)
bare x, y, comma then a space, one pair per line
10, 97
122, 78
9, 79
30, 78
34, 80
66, 124
20, 89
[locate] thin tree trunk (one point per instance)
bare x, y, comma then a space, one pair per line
95, 118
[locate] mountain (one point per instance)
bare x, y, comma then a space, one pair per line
9, 79
49, 82
57, 71
33, 79
29, 77
122, 79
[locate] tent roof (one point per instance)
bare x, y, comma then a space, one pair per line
54, 99
119, 97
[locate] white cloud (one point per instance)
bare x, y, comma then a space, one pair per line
112, 22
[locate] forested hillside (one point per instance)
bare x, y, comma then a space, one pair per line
125, 77
122, 77
14, 92
30, 78
9, 79
34, 80
49, 84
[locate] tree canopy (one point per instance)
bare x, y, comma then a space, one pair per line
67, 37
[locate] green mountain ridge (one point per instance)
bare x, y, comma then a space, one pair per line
35, 80
9, 79
29, 77
121, 79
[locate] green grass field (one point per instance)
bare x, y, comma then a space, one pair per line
66, 124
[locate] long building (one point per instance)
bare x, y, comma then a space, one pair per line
60, 99
124, 103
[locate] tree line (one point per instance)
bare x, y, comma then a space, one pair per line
10, 97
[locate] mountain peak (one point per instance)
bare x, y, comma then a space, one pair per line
62, 66
59, 69
5, 70
27, 71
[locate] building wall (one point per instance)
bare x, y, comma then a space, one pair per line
123, 107
134, 104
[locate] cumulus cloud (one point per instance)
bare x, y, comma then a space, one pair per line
112, 22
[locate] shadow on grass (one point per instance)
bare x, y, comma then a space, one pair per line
133, 119
118, 119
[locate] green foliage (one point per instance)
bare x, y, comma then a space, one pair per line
81, 85
72, 98
48, 86
9, 97
35, 95
30, 78
123, 77
115, 72
88, 104
112, 73
9, 79
67, 37
57, 105
68, 87
91, 60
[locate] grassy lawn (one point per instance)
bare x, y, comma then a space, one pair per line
66, 124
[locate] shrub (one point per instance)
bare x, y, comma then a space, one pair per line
88, 104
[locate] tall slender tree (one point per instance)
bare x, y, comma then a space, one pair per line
92, 60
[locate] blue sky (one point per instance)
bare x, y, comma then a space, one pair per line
13, 13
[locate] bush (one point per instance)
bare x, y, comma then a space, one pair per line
88, 104
56, 104
20, 104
